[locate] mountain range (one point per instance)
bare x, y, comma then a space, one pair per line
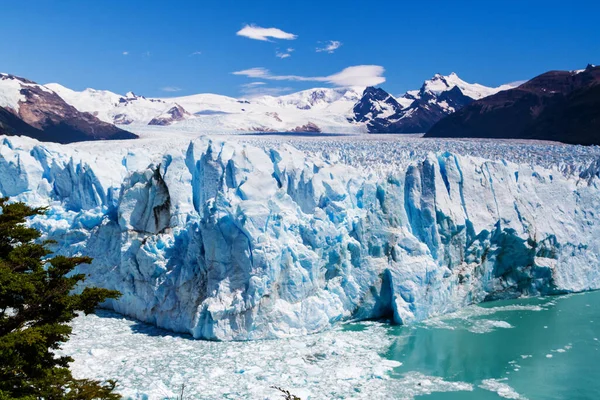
348, 110
417, 111
353, 109
558, 105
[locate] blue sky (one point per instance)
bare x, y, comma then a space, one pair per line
160, 48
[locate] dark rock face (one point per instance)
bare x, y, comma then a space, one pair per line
47, 117
174, 114
425, 111
309, 127
558, 105
122, 119
383, 114
373, 104
10, 124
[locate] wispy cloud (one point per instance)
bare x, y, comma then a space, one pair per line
257, 91
125, 53
330, 46
253, 84
195, 53
170, 89
284, 54
358, 75
258, 33
146, 54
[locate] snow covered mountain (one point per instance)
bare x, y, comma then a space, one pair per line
557, 105
319, 109
123, 110
233, 240
309, 110
27, 108
342, 110
417, 111
347, 110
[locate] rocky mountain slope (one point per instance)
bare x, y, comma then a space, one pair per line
557, 105
417, 111
27, 108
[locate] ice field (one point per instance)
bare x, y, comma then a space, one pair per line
261, 237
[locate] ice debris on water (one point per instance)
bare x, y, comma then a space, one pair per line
501, 388
339, 363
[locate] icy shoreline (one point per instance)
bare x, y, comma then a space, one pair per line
237, 238
151, 363
353, 361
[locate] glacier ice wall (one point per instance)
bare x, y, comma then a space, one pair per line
229, 241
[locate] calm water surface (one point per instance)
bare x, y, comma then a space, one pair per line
541, 348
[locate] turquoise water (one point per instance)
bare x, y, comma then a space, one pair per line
527, 349
541, 348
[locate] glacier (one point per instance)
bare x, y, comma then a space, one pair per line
240, 238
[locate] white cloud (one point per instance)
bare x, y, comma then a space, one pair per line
358, 75
257, 91
258, 72
330, 47
284, 54
253, 84
125, 53
517, 83
195, 53
170, 89
258, 33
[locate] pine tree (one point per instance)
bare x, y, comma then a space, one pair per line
36, 304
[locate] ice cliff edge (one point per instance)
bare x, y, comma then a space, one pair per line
228, 241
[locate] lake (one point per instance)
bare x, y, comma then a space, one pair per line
541, 348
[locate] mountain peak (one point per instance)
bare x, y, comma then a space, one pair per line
39, 112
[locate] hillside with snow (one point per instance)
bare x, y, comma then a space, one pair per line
34, 110
122, 110
557, 105
320, 109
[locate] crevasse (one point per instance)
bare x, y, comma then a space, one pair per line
228, 241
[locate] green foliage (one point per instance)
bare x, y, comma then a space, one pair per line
36, 305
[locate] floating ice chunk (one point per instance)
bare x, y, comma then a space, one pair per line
415, 384
560, 350
501, 388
